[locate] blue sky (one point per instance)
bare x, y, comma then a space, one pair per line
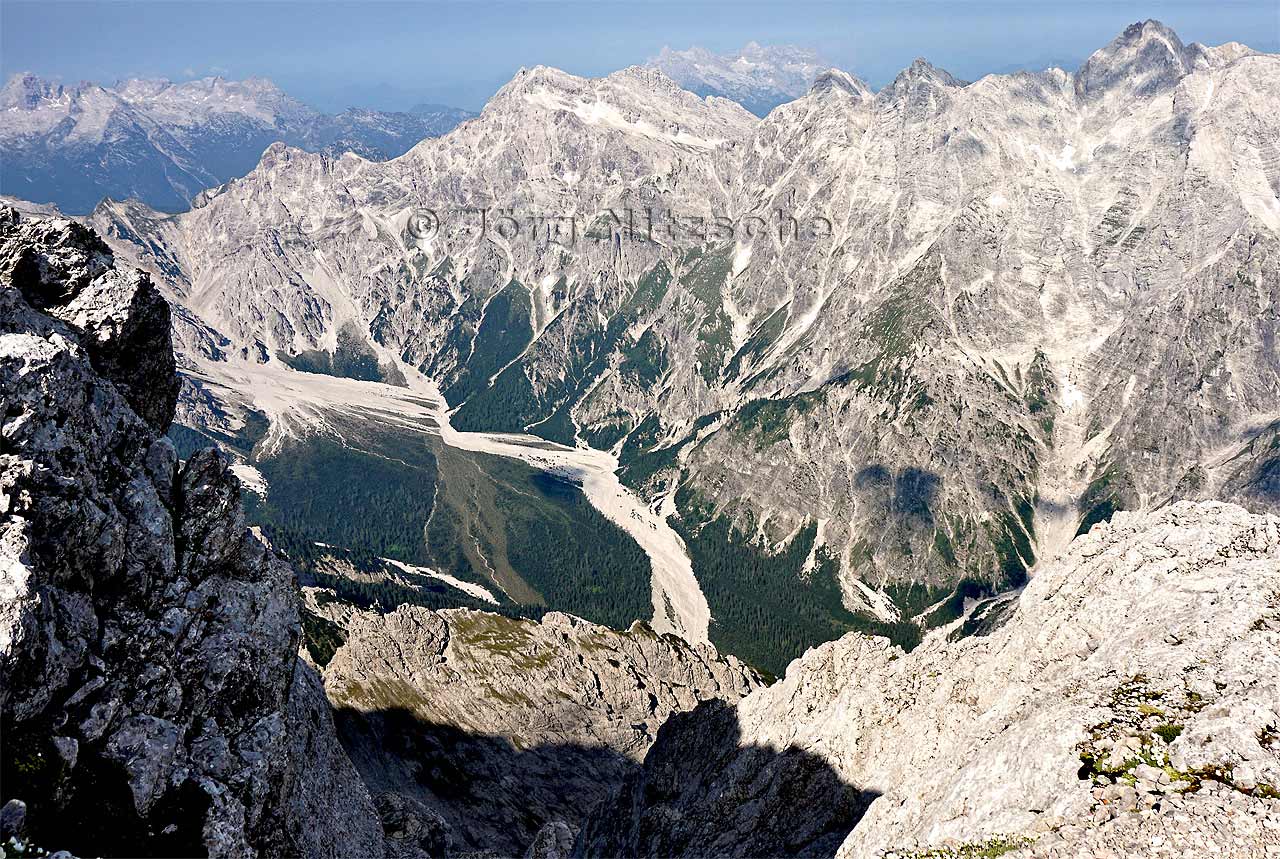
392, 55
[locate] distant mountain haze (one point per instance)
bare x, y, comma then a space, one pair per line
759, 77
163, 142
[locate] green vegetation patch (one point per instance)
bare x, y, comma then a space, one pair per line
373, 493
988, 849
1105, 496
764, 336
506, 329
352, 358
1040, 392
705, 279
645, 362
641, 459
511, 403
577, 559
765, 610
769, 420
893, 332
321, 637
532, 539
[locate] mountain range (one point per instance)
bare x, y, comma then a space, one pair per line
623, 473
163, 142
166, 689
1034, 300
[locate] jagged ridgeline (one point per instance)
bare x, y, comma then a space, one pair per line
1043, 298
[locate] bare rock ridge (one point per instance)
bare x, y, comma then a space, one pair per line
150, 689
502, 726
1126, 702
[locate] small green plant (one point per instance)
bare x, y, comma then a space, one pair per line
992, 847
1168, 733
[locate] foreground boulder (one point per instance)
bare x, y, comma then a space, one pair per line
151, 694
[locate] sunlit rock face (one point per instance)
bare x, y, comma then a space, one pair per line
1125, 701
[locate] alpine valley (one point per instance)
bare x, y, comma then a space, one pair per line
894, 474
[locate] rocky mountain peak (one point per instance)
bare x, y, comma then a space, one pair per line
838, 80
921, 71
1144, 60
648, 77
25, 91
759, 77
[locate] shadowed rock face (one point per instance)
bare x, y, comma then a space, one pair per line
505, 726
704, 792
150, 689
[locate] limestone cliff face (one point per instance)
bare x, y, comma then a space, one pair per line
150, 690
1126, 702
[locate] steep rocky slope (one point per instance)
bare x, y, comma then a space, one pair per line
163, 142
151, 696
1126, 702
505, 726
1005, 309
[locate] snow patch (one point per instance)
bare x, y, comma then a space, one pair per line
470, 588
250, 478
604, 114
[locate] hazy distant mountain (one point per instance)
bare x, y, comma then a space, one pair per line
163, 142
1039, 64
759, 77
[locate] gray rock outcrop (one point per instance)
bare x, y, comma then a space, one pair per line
1126, 702
150, 687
